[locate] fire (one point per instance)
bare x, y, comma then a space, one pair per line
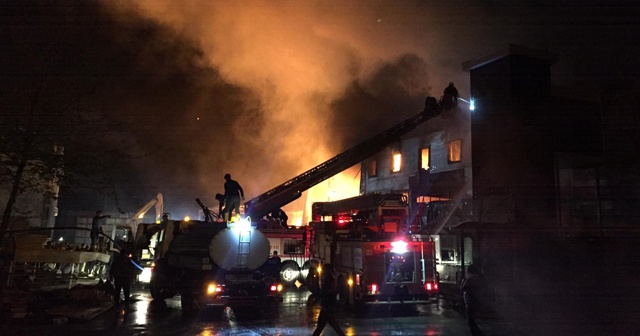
340, 186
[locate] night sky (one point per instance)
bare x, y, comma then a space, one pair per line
265, 90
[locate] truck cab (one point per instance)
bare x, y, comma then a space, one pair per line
376, 258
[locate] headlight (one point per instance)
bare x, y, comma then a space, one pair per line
145, 276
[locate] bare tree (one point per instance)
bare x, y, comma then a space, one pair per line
50, 142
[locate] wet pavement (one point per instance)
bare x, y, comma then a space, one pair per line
297, 316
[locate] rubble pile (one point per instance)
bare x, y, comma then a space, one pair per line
85, 301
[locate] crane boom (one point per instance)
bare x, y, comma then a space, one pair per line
290, 190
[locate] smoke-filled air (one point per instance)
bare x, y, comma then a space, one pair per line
309, 80
265, 90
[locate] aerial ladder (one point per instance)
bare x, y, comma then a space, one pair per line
289, 191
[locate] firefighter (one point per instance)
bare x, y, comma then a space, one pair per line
96, 227
281, 217
123, 272
471, 287
220, 199
328, 301
273, 266
232, 194
450, 97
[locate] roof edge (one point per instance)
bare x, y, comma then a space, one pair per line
511, 49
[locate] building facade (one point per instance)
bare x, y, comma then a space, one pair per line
522, 156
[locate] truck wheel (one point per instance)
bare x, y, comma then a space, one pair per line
289, 273
186, 303
156, 291
186, 289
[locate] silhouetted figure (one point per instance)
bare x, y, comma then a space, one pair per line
281, 217
123, 272
220, 199
450, 97
275, 256
232, 194
96, 227
328, 301
471, 288
273, 266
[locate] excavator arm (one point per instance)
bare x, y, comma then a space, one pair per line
290, 190
158, 201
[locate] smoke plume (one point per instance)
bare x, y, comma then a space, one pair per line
308, 80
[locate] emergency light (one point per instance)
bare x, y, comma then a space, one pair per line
244, 224
399, 247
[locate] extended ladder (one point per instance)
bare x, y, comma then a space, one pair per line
292, 189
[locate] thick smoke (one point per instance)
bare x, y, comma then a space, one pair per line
301, 81
265, 90
309, 80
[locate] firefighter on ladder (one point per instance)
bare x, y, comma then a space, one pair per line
450, 97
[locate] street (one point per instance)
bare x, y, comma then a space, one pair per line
298, 317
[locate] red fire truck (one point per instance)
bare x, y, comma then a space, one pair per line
291, 244
367, 241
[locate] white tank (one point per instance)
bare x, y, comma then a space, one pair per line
234, 248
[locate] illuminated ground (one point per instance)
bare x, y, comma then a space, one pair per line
296, 317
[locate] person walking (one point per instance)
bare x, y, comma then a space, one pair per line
471, 287
328, 301
96, 227
232, 194
122, 272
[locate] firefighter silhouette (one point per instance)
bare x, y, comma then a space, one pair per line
450, 97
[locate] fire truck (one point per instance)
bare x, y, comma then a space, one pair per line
296, 263
291, 245
367, 240
220, 263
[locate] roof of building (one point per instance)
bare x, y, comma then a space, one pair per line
511, 49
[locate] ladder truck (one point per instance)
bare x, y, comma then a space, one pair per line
209, 262
295, 260
366, 238
291, 190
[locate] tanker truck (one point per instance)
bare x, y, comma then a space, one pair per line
209, 264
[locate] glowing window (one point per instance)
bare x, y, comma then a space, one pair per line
396, 162
455, 151
372, 168
424, 158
